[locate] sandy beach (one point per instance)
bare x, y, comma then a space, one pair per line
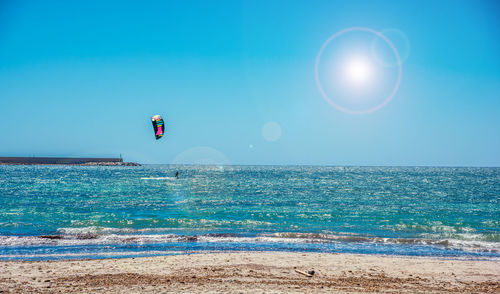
267, 272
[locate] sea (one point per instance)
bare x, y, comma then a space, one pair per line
73, 212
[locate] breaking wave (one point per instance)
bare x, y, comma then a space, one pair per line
91, 236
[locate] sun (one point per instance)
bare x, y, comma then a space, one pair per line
358, 71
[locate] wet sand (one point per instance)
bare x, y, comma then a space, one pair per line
267, 272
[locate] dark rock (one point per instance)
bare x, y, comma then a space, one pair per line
50, 237
87, 236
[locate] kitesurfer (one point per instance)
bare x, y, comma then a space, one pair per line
176, 174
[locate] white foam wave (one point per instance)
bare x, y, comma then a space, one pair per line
76, 255
98, 236
458, 244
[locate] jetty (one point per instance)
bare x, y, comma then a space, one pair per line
92, 161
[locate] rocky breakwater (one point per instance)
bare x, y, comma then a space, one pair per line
110, 164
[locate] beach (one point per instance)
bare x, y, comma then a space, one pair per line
252, 272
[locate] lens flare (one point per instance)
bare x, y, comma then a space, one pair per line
359, 74
202, 155
271, 131
398, 39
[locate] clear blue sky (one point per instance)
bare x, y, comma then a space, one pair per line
83, 79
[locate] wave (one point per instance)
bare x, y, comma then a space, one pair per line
458, 244
103, 236
159, 178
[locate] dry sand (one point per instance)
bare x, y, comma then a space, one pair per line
268, 272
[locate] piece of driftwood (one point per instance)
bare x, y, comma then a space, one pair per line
303, 273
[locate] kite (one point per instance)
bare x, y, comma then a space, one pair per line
158, 126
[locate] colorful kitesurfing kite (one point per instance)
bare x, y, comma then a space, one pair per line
158, 126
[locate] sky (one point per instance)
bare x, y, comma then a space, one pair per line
239, 82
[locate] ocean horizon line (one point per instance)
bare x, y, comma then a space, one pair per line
325, 165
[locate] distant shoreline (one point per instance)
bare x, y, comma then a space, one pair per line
83, 161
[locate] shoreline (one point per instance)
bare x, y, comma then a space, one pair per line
251, 272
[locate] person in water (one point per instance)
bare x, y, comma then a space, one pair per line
176, 174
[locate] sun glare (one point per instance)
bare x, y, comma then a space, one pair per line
358, 71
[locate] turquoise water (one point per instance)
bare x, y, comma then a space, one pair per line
54, 212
